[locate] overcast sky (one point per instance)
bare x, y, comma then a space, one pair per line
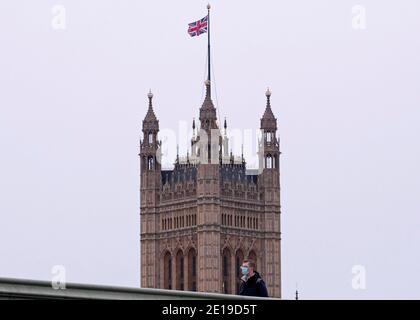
347, 102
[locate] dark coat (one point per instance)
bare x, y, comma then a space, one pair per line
254, 286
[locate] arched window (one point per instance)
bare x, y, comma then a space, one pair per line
179, 270
238, 259
167, 265
226, 274
150, 163
269, 162
192, 270
150, 139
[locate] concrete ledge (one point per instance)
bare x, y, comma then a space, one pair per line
33, 289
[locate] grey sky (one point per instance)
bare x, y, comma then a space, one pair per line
348, 110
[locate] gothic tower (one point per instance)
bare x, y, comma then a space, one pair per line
200, 219
270, 184
150, 182
208, 198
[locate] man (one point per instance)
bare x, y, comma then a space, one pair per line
252, 283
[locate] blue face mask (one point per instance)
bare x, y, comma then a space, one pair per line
244, 270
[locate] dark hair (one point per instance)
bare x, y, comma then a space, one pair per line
250, 262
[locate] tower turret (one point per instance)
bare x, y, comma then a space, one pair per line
209, 137
150, 184
269, 144
270, 184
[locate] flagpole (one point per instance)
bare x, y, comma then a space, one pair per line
208, 42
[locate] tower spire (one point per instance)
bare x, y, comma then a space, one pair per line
268, 121
150, 121
150, 96
268, 95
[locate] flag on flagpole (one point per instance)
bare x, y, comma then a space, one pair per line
199, 27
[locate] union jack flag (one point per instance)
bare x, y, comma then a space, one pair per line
198, 27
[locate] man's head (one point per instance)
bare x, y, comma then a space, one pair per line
247, 267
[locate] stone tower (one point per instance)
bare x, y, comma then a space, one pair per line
270, 183
203, 217
151, 185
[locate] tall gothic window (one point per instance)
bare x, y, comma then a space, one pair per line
150, 163
192, 270
167, 265
226, 270
239, 259
179, 270
269, 162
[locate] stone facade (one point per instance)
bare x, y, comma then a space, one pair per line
201, 219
